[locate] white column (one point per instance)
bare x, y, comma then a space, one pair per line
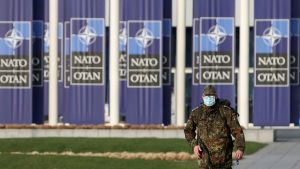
180, 63
114, 63
53, 25
243, 79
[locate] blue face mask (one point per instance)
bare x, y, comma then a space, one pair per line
209, 100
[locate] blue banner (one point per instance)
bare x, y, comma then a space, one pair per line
294, 62
144, 67
84, 92
214, 48
15, 61
271, 94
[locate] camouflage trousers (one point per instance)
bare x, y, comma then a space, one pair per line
203, 165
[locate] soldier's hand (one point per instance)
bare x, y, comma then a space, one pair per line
197, 150
239, 154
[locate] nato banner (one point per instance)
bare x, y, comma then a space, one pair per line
87, 52
213, 48
85, 61
271, 95
144, 61
271, 52
294, 62
15, 61
144, 54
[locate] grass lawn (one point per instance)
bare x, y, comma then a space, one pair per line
8, 161
54, 162
103, 145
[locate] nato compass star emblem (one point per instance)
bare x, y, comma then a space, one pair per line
87, 35
217, 34
14, 38
123, 36
144, 38
271, 36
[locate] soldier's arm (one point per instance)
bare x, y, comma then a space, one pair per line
189, 130
235, 128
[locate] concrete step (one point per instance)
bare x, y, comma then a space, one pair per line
287, 135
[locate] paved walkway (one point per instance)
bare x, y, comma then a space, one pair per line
279, 155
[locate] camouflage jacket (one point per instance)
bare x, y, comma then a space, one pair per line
215, 125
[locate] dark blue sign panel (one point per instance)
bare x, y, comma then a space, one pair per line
87, 52
144, 54
271, 94
67, 54
216, 50
37, 53
37, 61
213, 48
15, 61
294, 58
167, 60
143, 93
123, 37
84, 86
272, 52
295, 62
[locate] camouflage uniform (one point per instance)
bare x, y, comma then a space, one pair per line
214, 126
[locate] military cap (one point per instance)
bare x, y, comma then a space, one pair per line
209, 90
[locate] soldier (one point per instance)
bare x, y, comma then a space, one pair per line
214, 122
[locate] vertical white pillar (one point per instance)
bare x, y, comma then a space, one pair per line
53, 25
114, 63
180, 63
243, 78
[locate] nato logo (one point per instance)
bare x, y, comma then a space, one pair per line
272, 36
144, 37
87, 34
13, 37
216, 34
